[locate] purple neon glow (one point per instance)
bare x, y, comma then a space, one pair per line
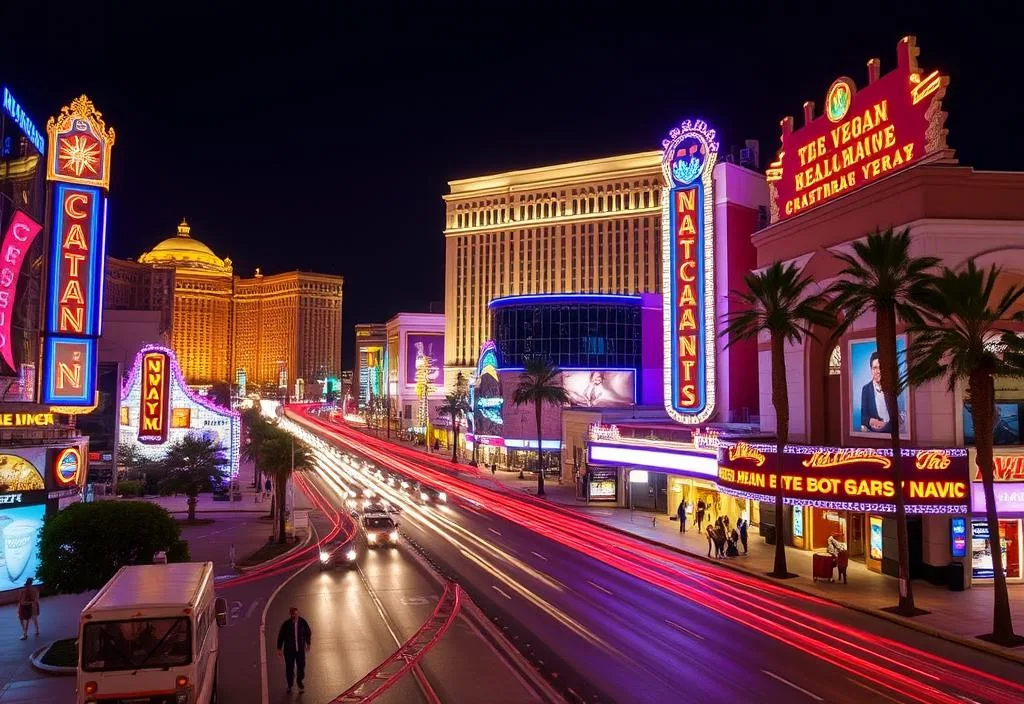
556, 298
192, 396
1009, 497
698, 464
769, 448
846, 505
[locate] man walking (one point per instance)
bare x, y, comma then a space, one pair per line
681, 513
293, 641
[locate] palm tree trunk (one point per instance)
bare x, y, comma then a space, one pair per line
982, 405
455, 440
540, 464
780, 400
281, 482
885, 338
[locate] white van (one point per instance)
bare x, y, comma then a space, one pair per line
150, 637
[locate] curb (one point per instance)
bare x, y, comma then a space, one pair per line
973, 643
36, 658
282, 556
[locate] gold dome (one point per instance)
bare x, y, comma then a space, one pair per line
183, 252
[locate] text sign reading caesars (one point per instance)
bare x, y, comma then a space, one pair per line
856, 479
893, 122
155, 398
688, 275
21, 234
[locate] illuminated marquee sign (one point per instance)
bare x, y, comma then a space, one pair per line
79, 167
688, 159
67, 467
13, 108
1006, 468
854, 479
154, 405
26, 420
18, 239
894, 121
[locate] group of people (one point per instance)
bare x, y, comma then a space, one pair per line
726, 539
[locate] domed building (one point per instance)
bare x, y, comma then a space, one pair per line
277, 328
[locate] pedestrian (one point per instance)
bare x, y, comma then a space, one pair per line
494, 468
701, 506
725, 523
267, 486
731, 550
293, 641
842, 562
681, 512
743, 533
232, 555
28, 608
710, 532
720, 538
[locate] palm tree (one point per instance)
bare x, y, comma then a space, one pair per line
778, 302
256, 429
280, 455
955, 342
193, 464
455, 406
882, 276
540, 383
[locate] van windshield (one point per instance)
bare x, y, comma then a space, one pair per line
136, 644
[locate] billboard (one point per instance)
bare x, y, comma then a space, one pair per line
600, 388
869, 417
423, 348
19, 544
18, 240
851, 479
689, 156
485, 395
78, 164
864, 135
22, 470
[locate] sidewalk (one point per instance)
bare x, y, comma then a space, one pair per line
964, 615
251, 500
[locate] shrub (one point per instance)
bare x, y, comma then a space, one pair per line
82, 547
129, 487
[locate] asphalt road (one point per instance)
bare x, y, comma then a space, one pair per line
608, 634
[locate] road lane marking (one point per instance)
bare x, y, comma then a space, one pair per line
539, 555
501, 591
494, 531
872, 689
797, 687
598, 586
252, 607
685, 630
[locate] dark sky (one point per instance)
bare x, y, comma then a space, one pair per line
321, 136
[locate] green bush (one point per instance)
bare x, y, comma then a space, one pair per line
129, 487
82, 547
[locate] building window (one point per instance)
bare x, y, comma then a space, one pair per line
181, 418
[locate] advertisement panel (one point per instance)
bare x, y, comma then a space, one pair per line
21, 234
424, 348
958, 536
864, 135
689, 156
22, 470
603, 483
852, 479
19, 544
875, 537
982, 547
869, 417
600, 388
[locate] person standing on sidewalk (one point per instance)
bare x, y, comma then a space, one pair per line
681, 512
710, 532
293, 641
700, 513
743, 533
28, 608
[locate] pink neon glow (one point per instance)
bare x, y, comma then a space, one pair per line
20, 235
901, 668
191, 395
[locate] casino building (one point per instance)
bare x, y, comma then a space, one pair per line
277, 328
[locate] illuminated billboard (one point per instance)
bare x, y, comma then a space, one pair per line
424, 348
850, 479
869, 417
21, 234
600, 388
688, 159
896, 120
79, 167
178, 411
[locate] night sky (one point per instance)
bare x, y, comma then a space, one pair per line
320, 136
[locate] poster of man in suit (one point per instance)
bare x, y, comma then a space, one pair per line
868, 414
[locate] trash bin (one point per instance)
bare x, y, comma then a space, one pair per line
823, 564
956, 576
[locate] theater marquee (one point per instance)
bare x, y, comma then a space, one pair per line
852, 479
688, 272
864, 135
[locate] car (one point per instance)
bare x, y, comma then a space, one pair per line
379, 529
339, 553
429, 495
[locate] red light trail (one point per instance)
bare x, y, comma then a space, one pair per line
908, 671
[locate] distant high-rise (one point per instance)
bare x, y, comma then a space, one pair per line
283, 324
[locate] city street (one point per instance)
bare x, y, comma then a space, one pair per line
620, 619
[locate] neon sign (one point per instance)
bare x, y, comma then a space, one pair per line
688, 159
79, 164
67, 468
743, 451
26, 420
154, 399
841, 456
21, 118
1006, 468
893, 122
21, 233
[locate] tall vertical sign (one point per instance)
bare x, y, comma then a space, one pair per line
78, 167
690, 152
155, 399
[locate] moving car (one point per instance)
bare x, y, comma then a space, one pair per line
341, 552
429, 495
379, 529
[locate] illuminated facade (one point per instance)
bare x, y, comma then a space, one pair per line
585, 227
369, 374
272, 327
